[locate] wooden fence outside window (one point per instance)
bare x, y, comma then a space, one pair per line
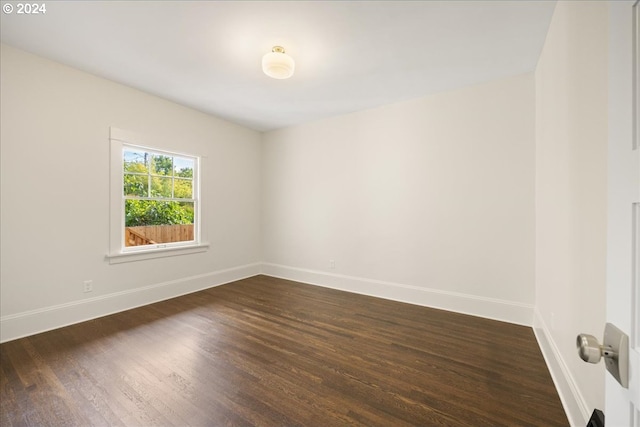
155, 234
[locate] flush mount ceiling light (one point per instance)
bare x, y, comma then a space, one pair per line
278, 64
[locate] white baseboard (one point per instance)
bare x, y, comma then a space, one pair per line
506, 311
575, 406
35, 321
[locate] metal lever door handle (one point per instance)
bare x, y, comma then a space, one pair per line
614, 349
591, 351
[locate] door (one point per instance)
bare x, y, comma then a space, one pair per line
622, 406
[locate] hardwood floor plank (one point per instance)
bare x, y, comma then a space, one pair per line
271, 352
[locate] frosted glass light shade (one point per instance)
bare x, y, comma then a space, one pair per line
278, 64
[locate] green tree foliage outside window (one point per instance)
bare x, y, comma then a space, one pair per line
153, 212
149, 176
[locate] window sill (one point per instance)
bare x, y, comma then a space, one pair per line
121, 257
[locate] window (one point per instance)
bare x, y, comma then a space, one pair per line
159, 205
154, 200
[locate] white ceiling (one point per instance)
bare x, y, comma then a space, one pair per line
350, 55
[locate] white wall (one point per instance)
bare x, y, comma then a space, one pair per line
571, 197
429, 201
55, 196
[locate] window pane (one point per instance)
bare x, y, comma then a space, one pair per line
149, 222
161, 165
183, 167
183, 188
188, 209
136, 185
135, 161
161, 187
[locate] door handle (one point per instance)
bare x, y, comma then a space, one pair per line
614, 349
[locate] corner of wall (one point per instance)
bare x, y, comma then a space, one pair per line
574, 404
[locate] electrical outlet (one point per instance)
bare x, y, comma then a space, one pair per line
332, 264
88, 286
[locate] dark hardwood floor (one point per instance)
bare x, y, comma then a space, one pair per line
270, 352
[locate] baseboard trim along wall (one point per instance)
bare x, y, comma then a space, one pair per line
575, 406
41, 320
490, 308
45, 319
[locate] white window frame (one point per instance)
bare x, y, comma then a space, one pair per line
118, 252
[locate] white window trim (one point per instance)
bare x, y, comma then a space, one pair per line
117, 251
